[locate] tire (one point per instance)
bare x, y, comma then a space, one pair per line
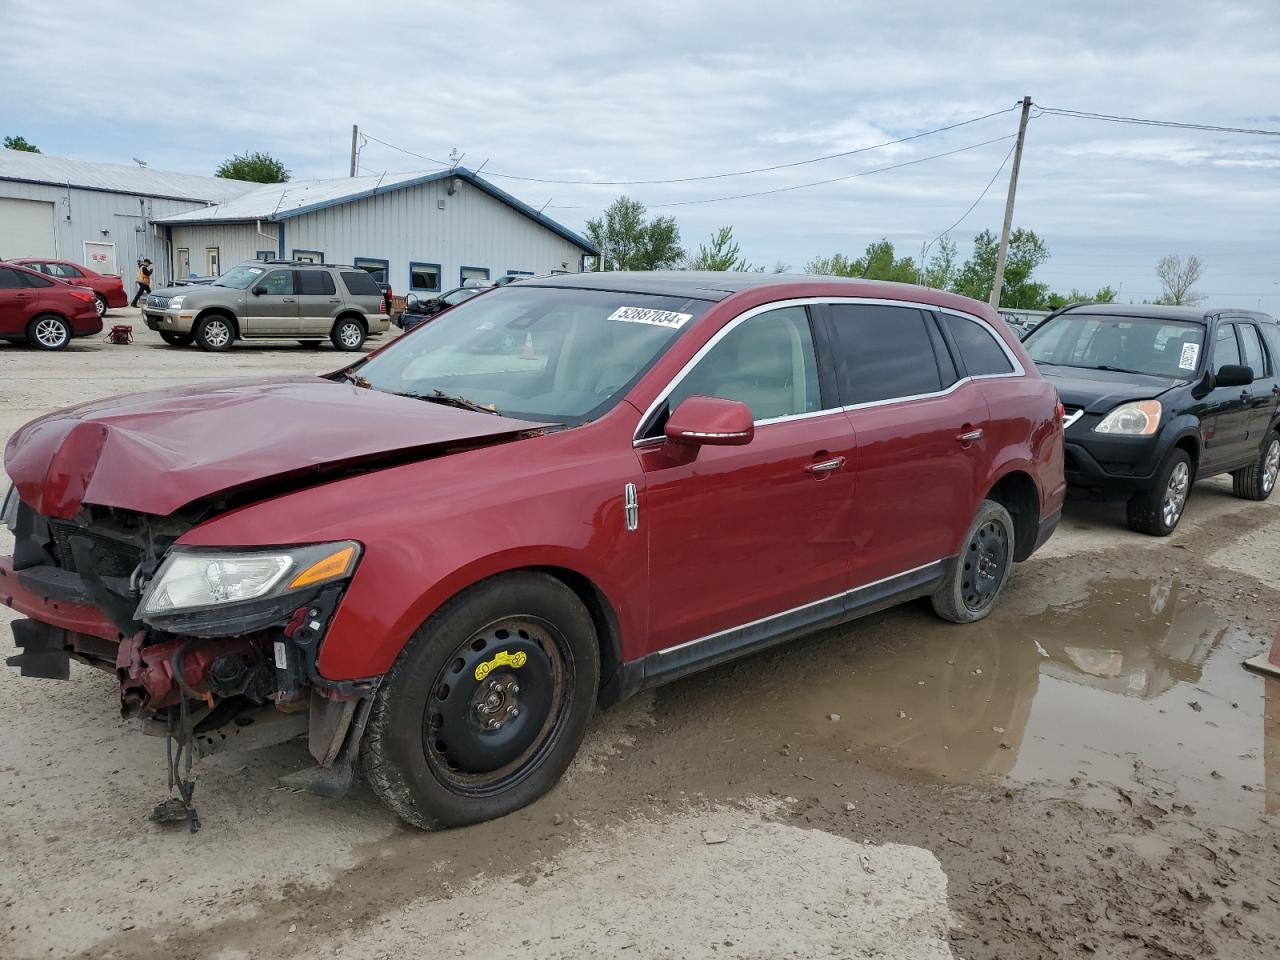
100, 304
533, 632
980, 573
215, 333
1256, 481
310, 344
175, 339
1157, 510
48, 331
348, 334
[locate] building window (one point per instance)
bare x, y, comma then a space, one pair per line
264, 255
375, 267
424, 276
472, 273
519, 273
308, 256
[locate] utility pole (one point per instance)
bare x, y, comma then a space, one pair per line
1008, 206
355, 132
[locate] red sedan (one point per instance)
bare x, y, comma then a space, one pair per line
440, 560
109, 288
43, 311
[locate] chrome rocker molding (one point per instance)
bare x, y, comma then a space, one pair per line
682, 659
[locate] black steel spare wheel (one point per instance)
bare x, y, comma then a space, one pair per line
985, 558
496, 704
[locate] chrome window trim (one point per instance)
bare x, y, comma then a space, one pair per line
638, 439
803, 606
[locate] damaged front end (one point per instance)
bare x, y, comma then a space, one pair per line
213, 649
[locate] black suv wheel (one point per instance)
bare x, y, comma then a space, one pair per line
1157, 510
487, 704
1256, 481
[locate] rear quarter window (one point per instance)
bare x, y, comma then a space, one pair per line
981, 354
360, 284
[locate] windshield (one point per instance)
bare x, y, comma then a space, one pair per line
550, 354
238, 277
1159, 348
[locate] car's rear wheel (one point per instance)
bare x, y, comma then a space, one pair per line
49, 332
348, 334
1256, 481
215, 333
100, 304
486, 705
1157, 510
175, 339
981, 571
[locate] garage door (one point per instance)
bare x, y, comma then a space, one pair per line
26, 229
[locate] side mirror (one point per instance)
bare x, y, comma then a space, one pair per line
410, 300
1233, 375
258, 291
711, 421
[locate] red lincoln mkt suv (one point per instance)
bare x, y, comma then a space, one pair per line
438, 561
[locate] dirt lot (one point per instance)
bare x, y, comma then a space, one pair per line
1087, 773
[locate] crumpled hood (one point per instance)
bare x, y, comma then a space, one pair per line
1098, 391
155, 452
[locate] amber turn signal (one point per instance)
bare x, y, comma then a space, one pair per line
335, 565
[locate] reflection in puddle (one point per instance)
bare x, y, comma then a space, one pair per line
1122, 682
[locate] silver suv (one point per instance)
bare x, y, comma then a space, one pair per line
272, 300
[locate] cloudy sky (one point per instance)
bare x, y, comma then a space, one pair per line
667, 90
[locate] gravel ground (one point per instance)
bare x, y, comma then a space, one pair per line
1089, 772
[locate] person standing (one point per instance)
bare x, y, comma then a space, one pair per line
144, 281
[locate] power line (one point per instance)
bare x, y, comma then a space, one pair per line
972, 206
715, 176
1145, 122
850, 176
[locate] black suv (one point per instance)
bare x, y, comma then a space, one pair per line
1160, 397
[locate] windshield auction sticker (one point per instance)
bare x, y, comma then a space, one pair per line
655, 318
1190, 354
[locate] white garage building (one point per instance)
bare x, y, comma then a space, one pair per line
98, 214
420, 232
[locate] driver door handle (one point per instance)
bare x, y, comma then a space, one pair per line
825, 466
971, 436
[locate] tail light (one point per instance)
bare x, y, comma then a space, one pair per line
1061, 411
387, 297
85, 295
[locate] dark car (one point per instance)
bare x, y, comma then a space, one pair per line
440, 560
44, 311
418, 311
1160, 397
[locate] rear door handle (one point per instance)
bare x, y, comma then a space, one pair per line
823, 467
971, 436
288, 300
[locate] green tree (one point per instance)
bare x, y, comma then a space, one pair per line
627, 241
1020, 292
723, 254
942, 268
1177, 278
877, 263
255, 167
20, 143
1057, 301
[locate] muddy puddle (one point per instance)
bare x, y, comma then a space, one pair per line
1089, 688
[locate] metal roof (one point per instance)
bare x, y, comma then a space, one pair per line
281, 201
116, 178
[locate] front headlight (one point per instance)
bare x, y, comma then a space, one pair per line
192, 580
9, 512
176, 302
1141, 418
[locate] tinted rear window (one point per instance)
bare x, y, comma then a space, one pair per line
981, 354
315, 282
882, 353
360, 284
